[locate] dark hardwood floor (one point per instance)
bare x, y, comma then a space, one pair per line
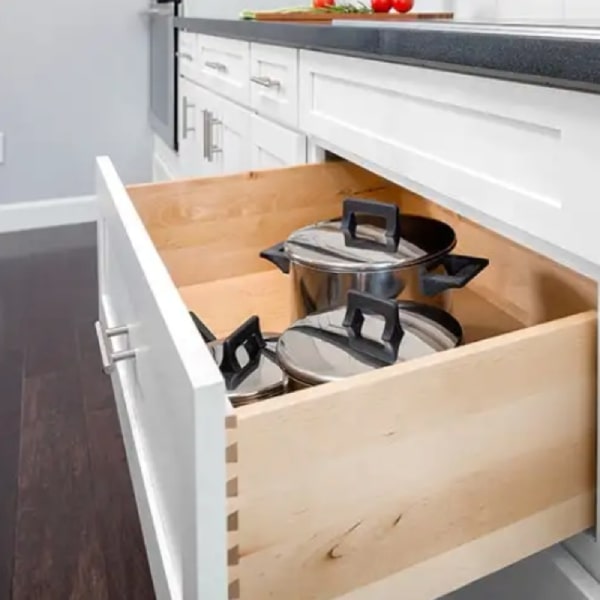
68, 523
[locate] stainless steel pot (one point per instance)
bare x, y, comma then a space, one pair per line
368, 333
375, 250
247, 360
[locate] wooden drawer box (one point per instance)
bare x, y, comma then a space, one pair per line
407, 482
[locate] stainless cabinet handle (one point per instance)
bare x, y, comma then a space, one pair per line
205, 134
266, 82
185, 128
210, 147
185, 55
110, 358
216, 66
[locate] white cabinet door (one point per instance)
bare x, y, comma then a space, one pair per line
228, 136
275, 146
189, 134
171, 401
206, 103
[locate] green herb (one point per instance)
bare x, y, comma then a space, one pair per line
339, 9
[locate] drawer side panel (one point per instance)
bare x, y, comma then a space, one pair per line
438, 471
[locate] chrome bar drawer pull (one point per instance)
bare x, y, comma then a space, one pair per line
216, 66
109, 357
212, 148
266, 82
185, 127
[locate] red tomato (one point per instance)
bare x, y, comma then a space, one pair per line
403, 6
323, 3
381, 6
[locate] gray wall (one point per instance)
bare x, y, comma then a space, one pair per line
73, 85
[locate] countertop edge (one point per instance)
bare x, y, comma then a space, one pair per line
565, 63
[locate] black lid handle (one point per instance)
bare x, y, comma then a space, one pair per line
207, 335
278, 256
250, 337
459, 271
360, 304
371, 208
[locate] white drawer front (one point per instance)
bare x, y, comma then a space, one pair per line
224, 67
275, 146
523, 155
171, 403
188, 54
274, 82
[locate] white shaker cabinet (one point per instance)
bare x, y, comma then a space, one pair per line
274, 83
227, 128
207, 124
275, 146
189, 131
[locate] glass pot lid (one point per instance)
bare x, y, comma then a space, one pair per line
370, 236
247, 361
367, 334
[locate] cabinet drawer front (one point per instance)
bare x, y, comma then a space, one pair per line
274, 82
521, 154
275, 146
188, 54
224, 67
171, 404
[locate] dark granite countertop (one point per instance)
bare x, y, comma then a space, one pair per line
553, 56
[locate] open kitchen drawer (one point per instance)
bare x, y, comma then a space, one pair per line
407, 482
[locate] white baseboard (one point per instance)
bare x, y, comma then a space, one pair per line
21, 216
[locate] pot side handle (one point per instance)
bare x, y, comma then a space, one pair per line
460, 270
250, 337
278, 256
359, 304
207, 335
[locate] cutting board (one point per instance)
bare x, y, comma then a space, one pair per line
324, 17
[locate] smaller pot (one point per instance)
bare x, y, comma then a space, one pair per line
368, 333
247, 361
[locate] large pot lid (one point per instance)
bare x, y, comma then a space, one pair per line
370, 236
367, 334
247, 361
